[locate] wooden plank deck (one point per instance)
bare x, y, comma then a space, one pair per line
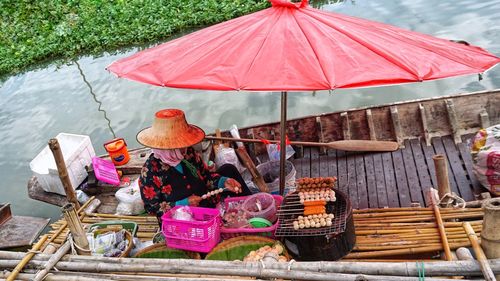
397, 179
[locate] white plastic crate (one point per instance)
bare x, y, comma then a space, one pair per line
77, 151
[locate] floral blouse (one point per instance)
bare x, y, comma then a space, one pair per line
162, 186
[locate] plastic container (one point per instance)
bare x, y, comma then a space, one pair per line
77, 151
270, 171
117, 149
200, 235
227, 233
105, 171
260, 205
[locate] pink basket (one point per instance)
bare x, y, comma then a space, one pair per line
105, 171
227, 233
200, 235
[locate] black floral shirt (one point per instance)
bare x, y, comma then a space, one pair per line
162, 186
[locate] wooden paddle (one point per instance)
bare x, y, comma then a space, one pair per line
346, 145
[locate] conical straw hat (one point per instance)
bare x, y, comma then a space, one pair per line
169, 131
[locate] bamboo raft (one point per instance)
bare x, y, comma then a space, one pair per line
401, 236
380, 233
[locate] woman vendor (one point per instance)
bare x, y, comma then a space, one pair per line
174, 174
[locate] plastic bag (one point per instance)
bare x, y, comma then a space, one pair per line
227, 155
130, 201
270, 171
486, 157
81, 196
183, 214
273, 150
103, 243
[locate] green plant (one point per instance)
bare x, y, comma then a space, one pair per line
35, 31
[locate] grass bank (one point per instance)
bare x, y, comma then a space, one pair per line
36, 31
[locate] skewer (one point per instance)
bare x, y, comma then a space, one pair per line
289, 211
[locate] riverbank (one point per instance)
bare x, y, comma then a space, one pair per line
33, 32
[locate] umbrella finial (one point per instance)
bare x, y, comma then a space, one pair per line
289, 4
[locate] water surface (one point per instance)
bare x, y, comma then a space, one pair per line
38, 105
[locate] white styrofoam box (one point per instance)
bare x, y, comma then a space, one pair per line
77, 151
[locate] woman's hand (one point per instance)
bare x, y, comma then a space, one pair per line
233, 185
194, 200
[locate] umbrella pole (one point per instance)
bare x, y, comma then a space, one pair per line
282, 142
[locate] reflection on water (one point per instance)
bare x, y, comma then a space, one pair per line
95, 98
38, 105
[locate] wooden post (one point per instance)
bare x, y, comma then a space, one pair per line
63, 172
256, 176
481, 258
247, 161
442, 174
76, 229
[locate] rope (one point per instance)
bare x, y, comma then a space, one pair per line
70, 239
290, 264
263, 266
421, 271
453, 199
34, 251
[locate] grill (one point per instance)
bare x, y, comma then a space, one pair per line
324, 243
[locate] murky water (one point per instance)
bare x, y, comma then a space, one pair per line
40, 104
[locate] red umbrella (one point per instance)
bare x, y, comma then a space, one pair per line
292, 46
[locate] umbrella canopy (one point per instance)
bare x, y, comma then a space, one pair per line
292, 46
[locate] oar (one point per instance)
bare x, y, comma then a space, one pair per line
347, 145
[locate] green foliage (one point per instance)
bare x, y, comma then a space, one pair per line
238, 252
36, 31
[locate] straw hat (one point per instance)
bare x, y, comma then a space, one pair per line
170, 130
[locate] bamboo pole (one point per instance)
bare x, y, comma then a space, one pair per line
483, 261
443, 181
76, 229
256, 271
63, 171
439, 221
91, 276
52, 261
406, 251
434, 268
399, 209
64, 223
26, 258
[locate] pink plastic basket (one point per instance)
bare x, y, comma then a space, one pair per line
105, 171
227, 233
200, 235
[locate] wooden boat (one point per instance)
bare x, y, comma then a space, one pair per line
12, 226
423, 128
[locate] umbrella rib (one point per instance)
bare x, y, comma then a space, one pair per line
354, 38
332, 85
218, 47
424, 47
263, 43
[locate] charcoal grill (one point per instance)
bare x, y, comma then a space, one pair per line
313, 244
